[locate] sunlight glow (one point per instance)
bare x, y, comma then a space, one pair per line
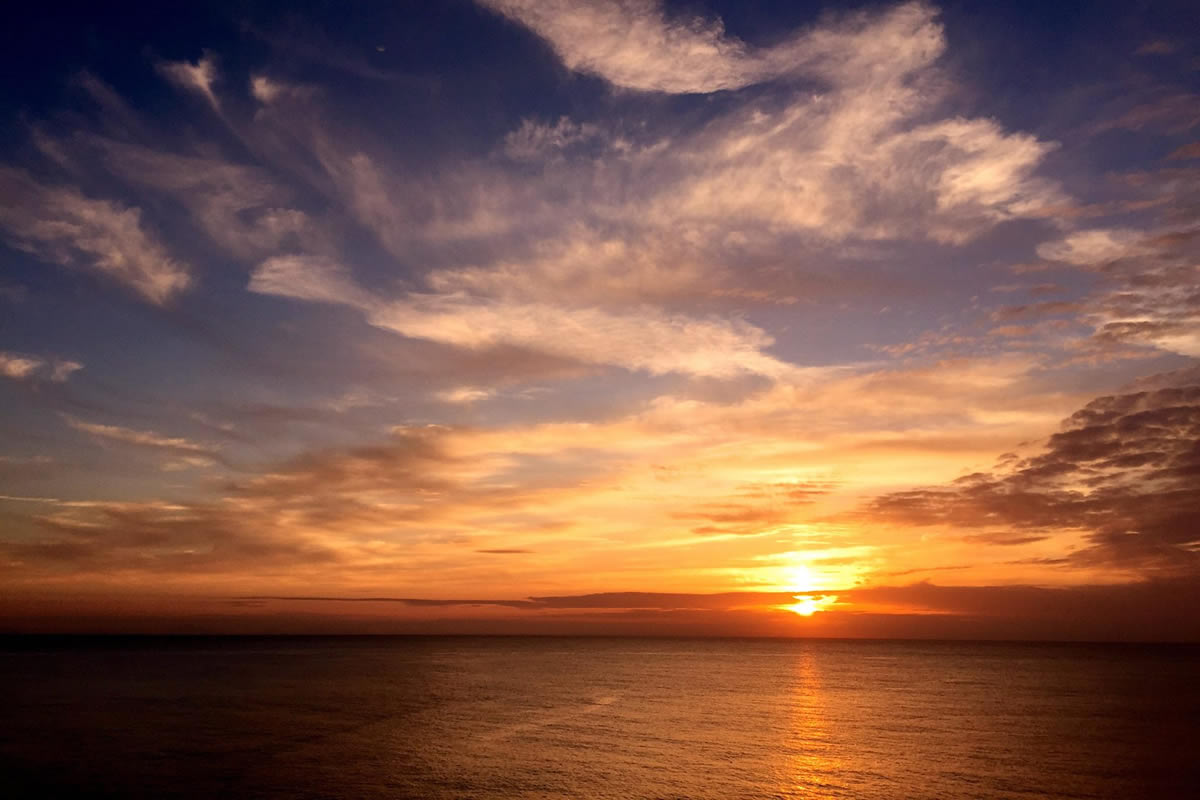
807, 606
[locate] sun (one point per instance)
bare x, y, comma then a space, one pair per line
801, 578
807, 605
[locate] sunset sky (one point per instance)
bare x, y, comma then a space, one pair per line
620, 316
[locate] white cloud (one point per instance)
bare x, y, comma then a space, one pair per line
633, 44
846, 166
63, 370
198, 77
264, 89
23, 367
864, 154
1093, 248
177, 445
267, 90
464, 395
240, 207
308, 278
582, 262
645, 339
62, 225
536, 140
19, 367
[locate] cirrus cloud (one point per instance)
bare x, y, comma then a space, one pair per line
62, 225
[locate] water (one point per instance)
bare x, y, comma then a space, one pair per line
596, 718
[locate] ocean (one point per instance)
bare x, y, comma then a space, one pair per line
596, 718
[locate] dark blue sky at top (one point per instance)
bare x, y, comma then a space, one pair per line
1021, 57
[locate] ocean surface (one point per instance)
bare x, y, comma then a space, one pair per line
412, 717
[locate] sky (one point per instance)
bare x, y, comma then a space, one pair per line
618, 316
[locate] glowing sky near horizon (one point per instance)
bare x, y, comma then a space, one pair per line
718, 317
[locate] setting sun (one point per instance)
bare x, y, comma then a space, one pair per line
809, 605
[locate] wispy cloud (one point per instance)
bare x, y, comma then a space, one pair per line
646, 340
240, 207
62, 225
869, 154
18, 367
24, 367
634, 44
197, 76
149, 439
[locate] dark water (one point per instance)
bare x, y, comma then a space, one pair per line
596, 718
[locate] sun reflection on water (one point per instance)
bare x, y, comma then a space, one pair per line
812, 758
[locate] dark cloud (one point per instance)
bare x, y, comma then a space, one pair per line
1125, 470
255, 524
1174, 113
1188, 151
157, 538
320, 507
600, 600
1152, 610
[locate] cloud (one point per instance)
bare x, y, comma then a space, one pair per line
755, 507
148, 439
62, 370
18, 367
1092, 247
866, 154
646, 340
195, 77
306, 512
633, 44
650, 341
115, 539
1174, 113
1123, 471
242, 208
850, 165
310, 278
1187, 151
1147, 294
581, 262
536, 141
25, 367
600, 600
581, 495
464, 395
1156, 610
61, 225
